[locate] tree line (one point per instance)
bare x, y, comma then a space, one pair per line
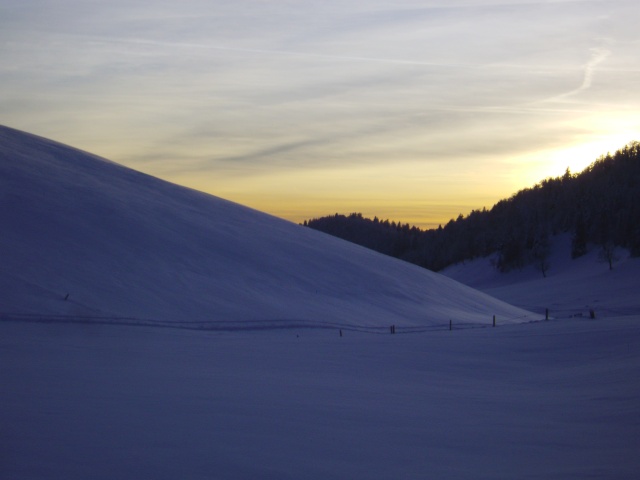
598, 206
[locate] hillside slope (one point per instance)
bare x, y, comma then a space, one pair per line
600, 205
83, 236
572, 287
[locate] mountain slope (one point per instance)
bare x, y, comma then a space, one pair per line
600, 206
120, 243
572, 287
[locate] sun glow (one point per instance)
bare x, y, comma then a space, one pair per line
537, 166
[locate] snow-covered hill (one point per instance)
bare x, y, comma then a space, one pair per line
572, 287
83, 236
541, 400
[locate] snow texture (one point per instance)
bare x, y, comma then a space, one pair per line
85, 397
572, 287
124, 245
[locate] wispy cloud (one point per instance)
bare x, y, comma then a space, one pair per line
221, 90
284, 53
598, 56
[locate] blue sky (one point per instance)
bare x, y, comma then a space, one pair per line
409, 110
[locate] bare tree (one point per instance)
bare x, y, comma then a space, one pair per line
608, 253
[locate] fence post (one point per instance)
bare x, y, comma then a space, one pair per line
592, 313
450, 325
494, 320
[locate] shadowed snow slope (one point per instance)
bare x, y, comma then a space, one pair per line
570, 288
123, 244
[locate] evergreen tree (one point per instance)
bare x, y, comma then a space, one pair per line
579, 239
600, 205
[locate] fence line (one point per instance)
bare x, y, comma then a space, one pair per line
274, 324
243, 325
600, 311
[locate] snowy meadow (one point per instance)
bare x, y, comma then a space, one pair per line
544, 400
151, 331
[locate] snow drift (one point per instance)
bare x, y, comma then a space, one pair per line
571, 288
85, 237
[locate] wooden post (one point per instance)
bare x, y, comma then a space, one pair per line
341, 332
546, 314
592, 313
494, 320
450, 325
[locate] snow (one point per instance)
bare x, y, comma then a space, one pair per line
550, 400
122, 244
572, 287
97, 386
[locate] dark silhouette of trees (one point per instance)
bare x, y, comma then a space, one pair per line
579, 239
599, 206
540, 253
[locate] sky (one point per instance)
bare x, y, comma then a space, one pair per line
415, 111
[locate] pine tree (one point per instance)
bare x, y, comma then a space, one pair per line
579, 239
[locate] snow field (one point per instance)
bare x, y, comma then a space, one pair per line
573, 287
543, 400
84, 396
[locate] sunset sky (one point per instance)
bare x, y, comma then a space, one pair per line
414, 111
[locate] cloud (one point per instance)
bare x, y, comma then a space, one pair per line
133, 41
598, 56
256, 88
